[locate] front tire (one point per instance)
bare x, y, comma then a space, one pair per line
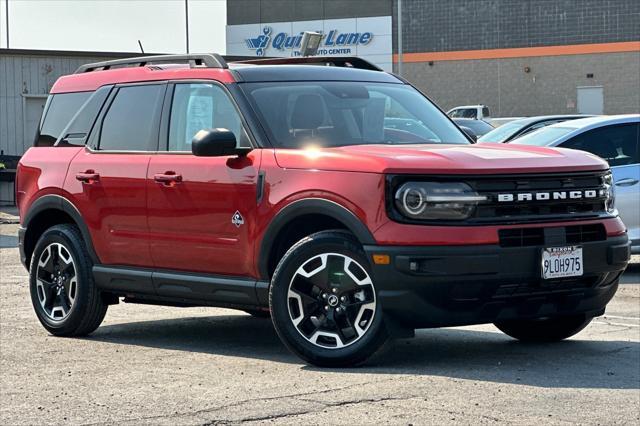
324, 303
544, 330
63, 293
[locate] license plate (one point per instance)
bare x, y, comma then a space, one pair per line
558, 262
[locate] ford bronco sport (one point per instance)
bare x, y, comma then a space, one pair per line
281, 187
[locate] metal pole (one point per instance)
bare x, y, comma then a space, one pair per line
6, 4
399, 37
186, 21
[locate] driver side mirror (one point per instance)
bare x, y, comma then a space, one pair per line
216, 143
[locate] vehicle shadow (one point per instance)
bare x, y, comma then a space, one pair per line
458, 353
231, 335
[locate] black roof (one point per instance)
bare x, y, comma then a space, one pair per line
264, 73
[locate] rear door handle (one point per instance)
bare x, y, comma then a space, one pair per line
168, 178
88, 176
627, 182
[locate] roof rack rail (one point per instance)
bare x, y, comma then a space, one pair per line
240, 58
206, 60
336, 61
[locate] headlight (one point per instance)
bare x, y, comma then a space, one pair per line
437, 200
610, 193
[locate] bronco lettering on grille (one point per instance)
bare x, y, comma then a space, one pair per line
551, 195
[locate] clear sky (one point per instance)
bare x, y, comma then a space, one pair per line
114, 25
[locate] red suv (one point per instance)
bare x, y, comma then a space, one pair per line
337, 199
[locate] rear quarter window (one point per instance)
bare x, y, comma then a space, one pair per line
60, 110
76, 132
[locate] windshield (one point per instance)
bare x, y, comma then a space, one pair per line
330, 113
543, 137
502, 133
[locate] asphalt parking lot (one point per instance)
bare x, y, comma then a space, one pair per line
157, 365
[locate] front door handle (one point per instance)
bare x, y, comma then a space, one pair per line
169, 178
627, 182
88, 176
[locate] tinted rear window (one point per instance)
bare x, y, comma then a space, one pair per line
62, 107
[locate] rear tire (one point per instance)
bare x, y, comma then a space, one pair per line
63, 293
544, 330
323, 301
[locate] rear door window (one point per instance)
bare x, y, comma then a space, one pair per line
131, 123
61, 108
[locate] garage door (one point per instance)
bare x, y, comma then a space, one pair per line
590, 100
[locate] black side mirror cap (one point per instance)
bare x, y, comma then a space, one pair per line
216, 143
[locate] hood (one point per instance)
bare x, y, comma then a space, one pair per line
441, 159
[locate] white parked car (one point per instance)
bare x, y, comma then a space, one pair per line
476, 112
615, 138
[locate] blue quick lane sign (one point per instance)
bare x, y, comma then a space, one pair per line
333, 42
368, 37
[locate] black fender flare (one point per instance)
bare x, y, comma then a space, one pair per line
304, 207
57, 202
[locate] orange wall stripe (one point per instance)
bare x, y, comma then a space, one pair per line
521, 52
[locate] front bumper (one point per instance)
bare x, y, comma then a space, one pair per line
439, 286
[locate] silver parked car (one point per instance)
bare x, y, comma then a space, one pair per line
518, 128
615, 138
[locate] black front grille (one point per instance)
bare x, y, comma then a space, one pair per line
570, 235
544, 186
523, 211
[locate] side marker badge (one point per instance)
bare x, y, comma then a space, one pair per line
237, 219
